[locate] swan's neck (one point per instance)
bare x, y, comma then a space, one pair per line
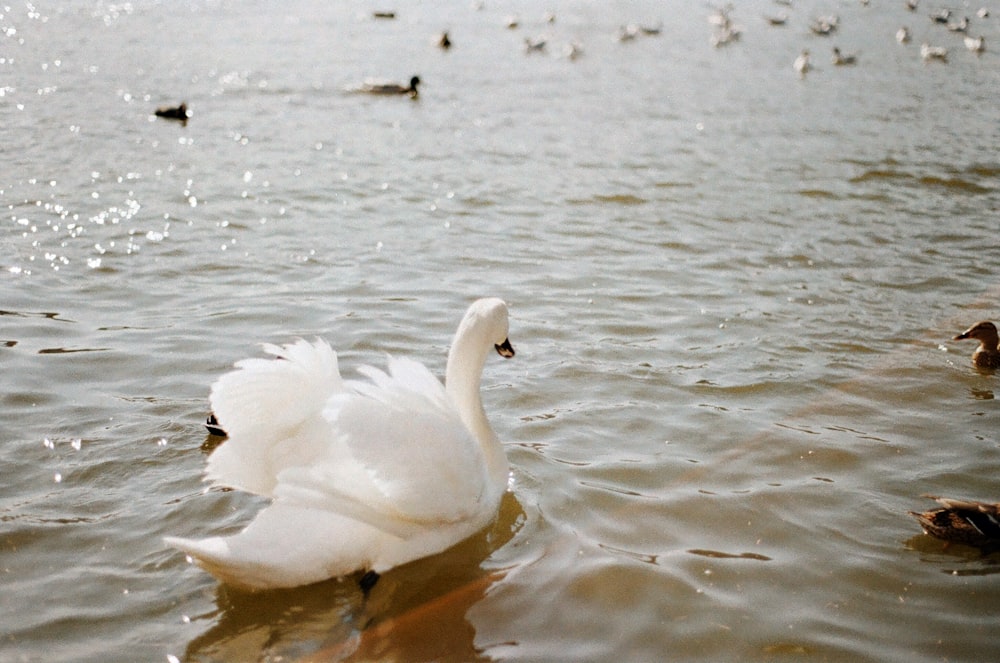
465, 368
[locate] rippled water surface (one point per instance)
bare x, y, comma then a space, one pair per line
732, 292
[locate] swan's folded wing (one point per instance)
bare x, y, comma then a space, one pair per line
404, 430
272, 410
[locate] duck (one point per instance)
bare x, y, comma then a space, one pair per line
962, 521
213, 427
779, 19
375, 87
987, 355
362, 475
179, 112
975, 44
536, 45
802, 64
842, 59
903, 35
941, 16
928, 52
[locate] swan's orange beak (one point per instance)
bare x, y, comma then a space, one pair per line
505, 349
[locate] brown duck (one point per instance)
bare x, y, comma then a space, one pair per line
963, 521
986, 355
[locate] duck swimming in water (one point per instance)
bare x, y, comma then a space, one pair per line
962, 521
173, 112
374, 87
841, 59
987, 355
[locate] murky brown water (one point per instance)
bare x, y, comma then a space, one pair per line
732, 295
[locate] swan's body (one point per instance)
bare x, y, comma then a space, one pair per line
987, 355
363, 475
962, 521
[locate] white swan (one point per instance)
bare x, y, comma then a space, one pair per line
363, 475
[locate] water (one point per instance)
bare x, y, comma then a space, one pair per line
732, 295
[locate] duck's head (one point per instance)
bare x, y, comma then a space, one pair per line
414, 82
985, 332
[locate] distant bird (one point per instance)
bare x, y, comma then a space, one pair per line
720, 16
903, 35
384, 14
825, 25
536, 45
173, 112
802, 64
652, 30
962, 521
512, 22
911, 5
377, 87
843, 59
975, 44
941, 16
983, 12
987, 355
726, 35
959, 26
780, 19
928, 53
627, 32
572, 50
213, 426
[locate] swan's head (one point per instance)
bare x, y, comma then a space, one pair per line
487, 318
985, 332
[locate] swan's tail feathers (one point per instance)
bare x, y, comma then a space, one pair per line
272, 410
286, 546
214, 556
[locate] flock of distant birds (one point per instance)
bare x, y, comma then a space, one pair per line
727, 32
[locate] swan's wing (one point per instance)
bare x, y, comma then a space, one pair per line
272, 410
404, 430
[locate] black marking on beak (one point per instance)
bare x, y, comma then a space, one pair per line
505, 349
